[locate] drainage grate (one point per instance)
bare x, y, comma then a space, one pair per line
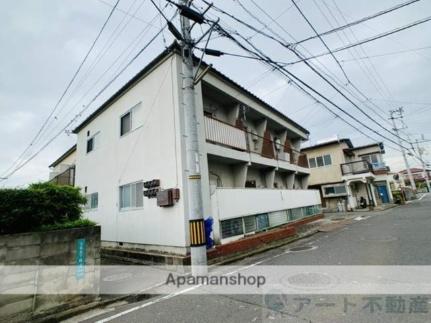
302, 248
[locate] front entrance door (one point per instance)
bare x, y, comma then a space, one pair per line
383, 192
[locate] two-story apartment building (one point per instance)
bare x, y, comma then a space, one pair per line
345, 174
130, 161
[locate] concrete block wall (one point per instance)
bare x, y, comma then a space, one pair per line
21, 253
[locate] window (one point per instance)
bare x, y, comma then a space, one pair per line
312, 162
320, 161
131, 195
340, 190
372, 159
92, 142
329, 190
327, 160
250, 223
231, 227
335, 190
92, 201
126, 123
262, 221
90, 145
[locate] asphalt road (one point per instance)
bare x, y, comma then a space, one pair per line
398, 236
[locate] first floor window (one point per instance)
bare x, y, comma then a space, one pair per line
231, 227
334, 190
92, 201
131, 195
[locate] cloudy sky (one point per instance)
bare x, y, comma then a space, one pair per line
43, 43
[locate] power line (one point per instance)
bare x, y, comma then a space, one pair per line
321, 39
333, 56
378, 14
130, 48
67, 87
295, 80
283, 43
362, 65
364, 41
86, 106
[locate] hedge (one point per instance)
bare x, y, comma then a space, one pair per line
39, 205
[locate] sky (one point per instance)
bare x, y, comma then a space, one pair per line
44, 42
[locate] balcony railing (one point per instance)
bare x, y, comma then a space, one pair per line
222, 133
356, 167
65, 178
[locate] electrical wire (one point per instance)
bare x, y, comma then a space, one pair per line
301, 84
85, 107
351, 24
33, 141
364, 41
283, 43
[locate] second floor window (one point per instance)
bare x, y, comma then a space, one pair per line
92, 142
320, 161
372, 159
126, 123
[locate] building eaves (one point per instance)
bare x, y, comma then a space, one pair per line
69, 152
174, 48
328, 143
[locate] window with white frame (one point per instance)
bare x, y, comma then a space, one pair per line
132, 195
373, 159
320, 161
92, 201
129, 120
334, 190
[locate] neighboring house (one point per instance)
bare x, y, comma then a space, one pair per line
62, 171
419, 176
344, 173
130, 161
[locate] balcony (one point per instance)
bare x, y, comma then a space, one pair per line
260, 148
356, 167
219, 132
67, 177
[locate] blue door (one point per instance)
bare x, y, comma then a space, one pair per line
383, 192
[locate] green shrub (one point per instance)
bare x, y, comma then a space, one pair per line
23, 210
67, 225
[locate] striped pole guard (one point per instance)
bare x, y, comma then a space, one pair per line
197, 233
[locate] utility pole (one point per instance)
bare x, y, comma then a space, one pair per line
198, 251
424, 171
400, 112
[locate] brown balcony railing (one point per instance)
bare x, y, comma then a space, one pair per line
356, 167
237, 137
65, 178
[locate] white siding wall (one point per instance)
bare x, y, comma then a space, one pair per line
151, 151
232, 203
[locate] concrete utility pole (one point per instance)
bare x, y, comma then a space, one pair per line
424, 171
400, 112
198, 251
